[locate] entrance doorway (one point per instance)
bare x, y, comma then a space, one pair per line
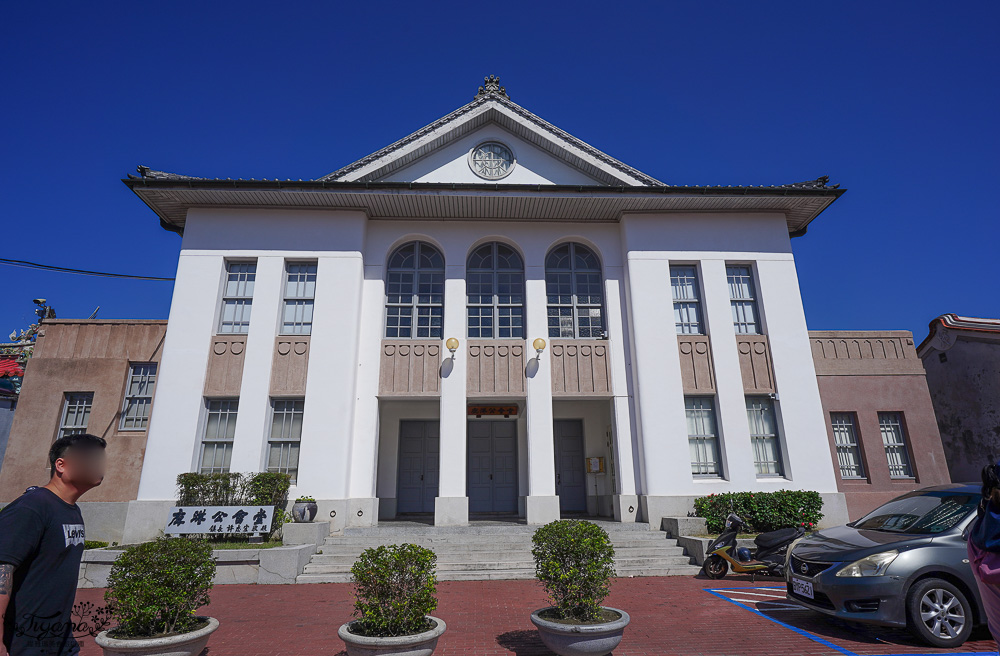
419, 464
571, 483
492, 471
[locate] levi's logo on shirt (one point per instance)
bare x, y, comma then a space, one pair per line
73, 533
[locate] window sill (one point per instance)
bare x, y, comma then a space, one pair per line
902, 478
708, 478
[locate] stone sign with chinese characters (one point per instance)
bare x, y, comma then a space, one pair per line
219, 519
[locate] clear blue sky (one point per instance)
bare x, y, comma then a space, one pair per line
896, 101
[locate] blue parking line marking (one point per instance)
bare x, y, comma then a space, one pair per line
812, 636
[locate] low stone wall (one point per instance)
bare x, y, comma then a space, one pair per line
275, 565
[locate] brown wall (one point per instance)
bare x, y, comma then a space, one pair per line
80, 356
874, 372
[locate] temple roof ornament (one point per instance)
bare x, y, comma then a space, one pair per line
491, 86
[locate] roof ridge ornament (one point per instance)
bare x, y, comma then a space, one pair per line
491, 87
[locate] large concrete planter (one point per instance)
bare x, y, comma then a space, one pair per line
185, 644
581, 639
419, 644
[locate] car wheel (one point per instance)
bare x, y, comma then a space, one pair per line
715, 567
938, 613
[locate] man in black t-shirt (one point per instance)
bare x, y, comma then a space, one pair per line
41, 544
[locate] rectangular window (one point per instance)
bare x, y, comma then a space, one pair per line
217, 441
743, 298
286, 433
300, 290
894, 440
703, 439
764, 436
687, 306
76, 413
237, 297
138, 397
845, 435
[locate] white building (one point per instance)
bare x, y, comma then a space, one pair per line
310, 326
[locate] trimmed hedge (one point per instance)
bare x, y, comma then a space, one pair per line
235, 489
395, 589
574, 560
762, 511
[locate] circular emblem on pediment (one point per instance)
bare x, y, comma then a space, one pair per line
492, 160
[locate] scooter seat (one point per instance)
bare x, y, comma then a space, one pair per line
774, 538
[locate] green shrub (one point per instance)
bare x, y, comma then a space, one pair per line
94, 544
574, 560
762, 511
394, 590
155, 587
235, 489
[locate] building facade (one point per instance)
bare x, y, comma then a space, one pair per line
962, 359
884, 437
488, 316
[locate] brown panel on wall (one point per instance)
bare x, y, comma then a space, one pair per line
580, 367
697, 372
495, 367
225, 365
410, 367
860, 353
289, 366
755, 363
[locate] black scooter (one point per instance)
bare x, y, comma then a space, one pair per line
769, 558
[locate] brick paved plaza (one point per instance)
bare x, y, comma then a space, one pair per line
670, 615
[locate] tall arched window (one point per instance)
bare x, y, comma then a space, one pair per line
494, 280
414, 303
574, 290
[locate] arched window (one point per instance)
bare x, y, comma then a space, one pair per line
495, 288
414, 303
574, 290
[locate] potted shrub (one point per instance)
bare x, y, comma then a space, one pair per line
575, 560
154, 589
394, 590
304, 509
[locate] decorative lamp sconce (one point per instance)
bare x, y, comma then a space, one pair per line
452, 345
539, 345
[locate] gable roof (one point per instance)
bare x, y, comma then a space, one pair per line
362, 185
492, 105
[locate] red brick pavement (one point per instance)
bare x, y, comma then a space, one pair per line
670, 615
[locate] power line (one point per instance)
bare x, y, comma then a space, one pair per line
81, 272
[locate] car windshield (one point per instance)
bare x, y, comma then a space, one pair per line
920, 512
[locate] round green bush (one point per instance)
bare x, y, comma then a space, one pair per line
575, 561
394, 590
155, 587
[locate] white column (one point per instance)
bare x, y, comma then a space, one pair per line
624, 497
451, 507
542, 504
328, 419
802, 422
659, 389
254, 407
174, 440
736, 451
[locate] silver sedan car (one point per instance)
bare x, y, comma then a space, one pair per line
904, 565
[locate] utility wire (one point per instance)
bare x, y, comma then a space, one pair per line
82, 272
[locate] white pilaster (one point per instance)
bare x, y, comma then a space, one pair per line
254, 408
800, 410
451, 507
328, 419
736, 451
173, 440
542, 504
364, 451
621, 407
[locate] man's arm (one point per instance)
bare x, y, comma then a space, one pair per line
6, 586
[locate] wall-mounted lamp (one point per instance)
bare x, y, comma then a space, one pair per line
452, 345
539, 345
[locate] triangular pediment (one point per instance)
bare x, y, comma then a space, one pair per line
543, 154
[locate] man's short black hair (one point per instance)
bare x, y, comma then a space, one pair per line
78, 441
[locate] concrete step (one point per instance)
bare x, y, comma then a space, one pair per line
622, 564
507, 574
462, 554
472, 541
